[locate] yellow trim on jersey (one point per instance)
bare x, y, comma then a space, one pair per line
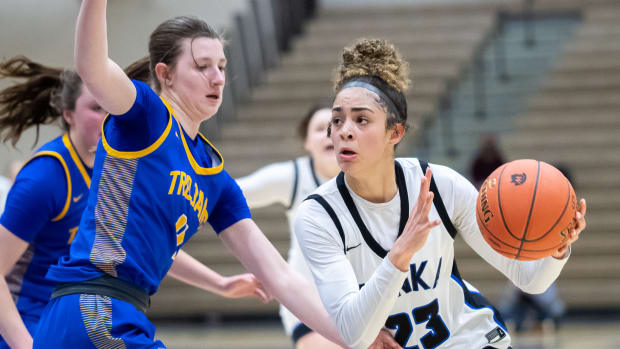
68, 175
197, 168
76, 159
139, 153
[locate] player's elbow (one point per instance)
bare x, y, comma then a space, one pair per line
534, 287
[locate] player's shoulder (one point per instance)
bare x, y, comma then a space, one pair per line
413, 166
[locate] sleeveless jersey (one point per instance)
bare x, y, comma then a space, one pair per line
27, 283
144, 205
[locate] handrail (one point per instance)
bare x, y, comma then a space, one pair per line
479, 71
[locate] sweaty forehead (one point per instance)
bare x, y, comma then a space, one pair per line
358, 97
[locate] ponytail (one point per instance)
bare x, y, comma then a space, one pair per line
36, 101
140, 70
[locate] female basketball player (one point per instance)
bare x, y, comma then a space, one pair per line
47, 200
289, 183
375, 245
155, 181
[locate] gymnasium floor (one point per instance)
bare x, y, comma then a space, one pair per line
269, 335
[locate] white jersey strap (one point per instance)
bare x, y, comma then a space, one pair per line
438, 202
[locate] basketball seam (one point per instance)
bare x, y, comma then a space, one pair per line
529, 216
559, 218
499, 203
497, 238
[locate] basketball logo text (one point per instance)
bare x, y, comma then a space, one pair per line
487, 214
518, 178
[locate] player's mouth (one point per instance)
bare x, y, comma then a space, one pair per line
213, 97
329, 148
347, 154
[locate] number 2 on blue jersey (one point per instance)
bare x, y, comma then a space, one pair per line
428, 313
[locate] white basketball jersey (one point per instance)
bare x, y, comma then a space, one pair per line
435, 307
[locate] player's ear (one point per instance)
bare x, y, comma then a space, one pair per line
397, 132
163, 74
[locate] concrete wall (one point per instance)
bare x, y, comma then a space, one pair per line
44, 30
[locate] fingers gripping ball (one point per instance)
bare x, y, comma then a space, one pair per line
525, 209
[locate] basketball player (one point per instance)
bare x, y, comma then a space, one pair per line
289, 183
379, 237
46, 202
156, 180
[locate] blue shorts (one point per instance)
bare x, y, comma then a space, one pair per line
94, 321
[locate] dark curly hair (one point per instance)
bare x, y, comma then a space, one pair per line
377, 62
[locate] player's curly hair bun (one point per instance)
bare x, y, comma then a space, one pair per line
373, 57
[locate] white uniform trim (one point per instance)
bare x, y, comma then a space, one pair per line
287, 183
387, 292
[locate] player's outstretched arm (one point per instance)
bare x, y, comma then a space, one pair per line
104, 78
12, 327
189, 270
245, 240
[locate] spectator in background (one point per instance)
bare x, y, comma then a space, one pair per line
488, 158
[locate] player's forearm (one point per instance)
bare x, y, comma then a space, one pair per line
91, 42
298, 295
189, 270
105, 79
245, 240
536, 277
12, 327
361, 315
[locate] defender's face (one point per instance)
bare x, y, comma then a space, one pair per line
85, 121
198, 77
318, 144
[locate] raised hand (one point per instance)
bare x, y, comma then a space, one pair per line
416, 230
244, 285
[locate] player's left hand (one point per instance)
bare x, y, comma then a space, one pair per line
385, 340
578, 226
244, 285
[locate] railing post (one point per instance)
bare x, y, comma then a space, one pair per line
445, 107
500, 49
480, 97
528, 19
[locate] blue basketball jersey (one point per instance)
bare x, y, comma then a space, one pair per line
44, 208
145, 204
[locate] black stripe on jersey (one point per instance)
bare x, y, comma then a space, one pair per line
295, 184
330, 211
476, 300
438, 202
316, 179
404, 209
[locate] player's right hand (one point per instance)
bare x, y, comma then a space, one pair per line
416, 230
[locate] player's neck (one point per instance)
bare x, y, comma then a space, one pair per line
182, 114
87, 156
376, 184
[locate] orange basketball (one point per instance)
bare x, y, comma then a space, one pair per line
525, 209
